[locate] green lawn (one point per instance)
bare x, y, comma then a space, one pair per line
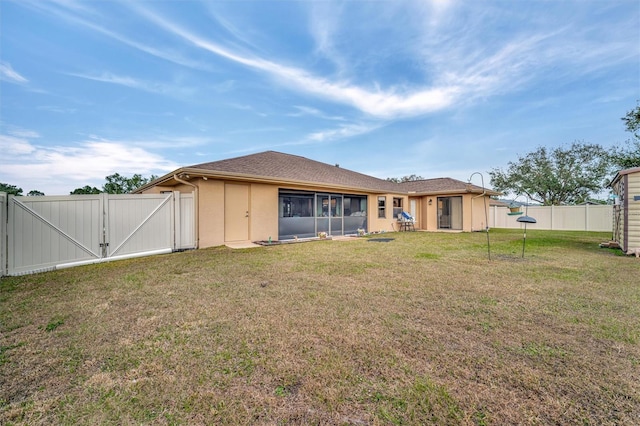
423, 329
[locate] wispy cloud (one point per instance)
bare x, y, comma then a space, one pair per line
460, 70
8, 74
138, 84
258, 130
80, 14
379, 103
309, 111
57, 109
19, 132
342, 132
324, 25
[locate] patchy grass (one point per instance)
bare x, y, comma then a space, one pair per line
420, 330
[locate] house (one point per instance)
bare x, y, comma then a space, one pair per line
276, 196
626, 210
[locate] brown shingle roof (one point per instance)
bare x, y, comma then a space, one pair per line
294, 168
282, 168
441, 185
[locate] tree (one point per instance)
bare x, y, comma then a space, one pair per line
632, 121
118, 184
35, 193
409, 178
85, 190
555, 176
629, 156
10, 189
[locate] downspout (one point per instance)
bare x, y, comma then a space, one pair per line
197, 207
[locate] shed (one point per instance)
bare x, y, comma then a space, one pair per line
626, 209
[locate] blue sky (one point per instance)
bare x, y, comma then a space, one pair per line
387, 88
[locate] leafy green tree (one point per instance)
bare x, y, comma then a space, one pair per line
555, 176
10, 189
629, 156
632, 121
118, 184
85, 190
35, 193
409, 178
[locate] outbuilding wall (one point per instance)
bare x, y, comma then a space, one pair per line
626, 212
633, 212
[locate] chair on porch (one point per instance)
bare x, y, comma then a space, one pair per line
406, 221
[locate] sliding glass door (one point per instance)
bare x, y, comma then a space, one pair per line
304, 214
450, 213
329, 213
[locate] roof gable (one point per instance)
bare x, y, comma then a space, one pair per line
272, 164
442, 185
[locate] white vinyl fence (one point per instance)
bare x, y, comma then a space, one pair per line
51, 232
560, 218
3, 234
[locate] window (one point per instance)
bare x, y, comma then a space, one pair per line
382, 207
355, 205
298, 205
397, 207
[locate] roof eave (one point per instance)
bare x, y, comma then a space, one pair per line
188, 172
623, 173
454, 191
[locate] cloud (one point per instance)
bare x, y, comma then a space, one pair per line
23, 133
342, 132
309, 111
71, 11
8, 74
459, 66
378, 103
58, 170
12, 146
139, 84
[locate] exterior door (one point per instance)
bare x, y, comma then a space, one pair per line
450, 213
236, 212
413, 208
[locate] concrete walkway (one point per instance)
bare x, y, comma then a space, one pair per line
242, 245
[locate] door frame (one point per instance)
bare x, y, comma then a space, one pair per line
237, 219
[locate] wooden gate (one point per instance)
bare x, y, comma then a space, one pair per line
46, 233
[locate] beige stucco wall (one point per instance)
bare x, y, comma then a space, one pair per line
263, 210
389, 223
473, 212
478, 214
211, 212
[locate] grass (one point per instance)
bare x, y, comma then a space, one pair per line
419, 330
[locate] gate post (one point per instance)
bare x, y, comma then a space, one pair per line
4, 242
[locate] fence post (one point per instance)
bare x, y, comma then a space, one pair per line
586, 217
4, 242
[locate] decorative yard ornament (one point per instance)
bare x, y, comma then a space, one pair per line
514, 209
525, 219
